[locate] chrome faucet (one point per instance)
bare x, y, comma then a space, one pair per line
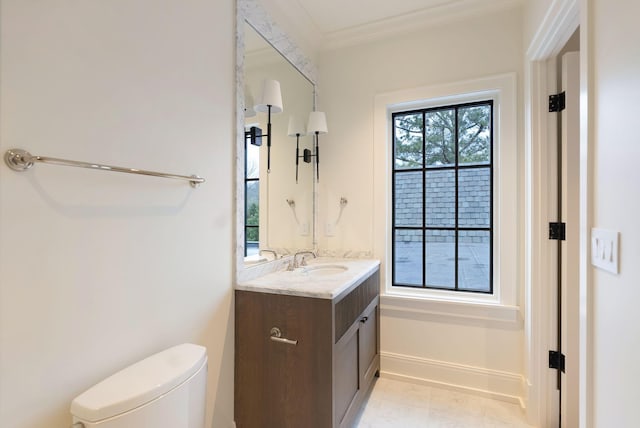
275, 255
303, 261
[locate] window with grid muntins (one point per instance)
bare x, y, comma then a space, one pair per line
252, 198
443, 198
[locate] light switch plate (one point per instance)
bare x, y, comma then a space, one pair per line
604, 249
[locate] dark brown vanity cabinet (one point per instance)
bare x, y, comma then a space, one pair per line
323, 365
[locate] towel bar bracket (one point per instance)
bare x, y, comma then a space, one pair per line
18, 160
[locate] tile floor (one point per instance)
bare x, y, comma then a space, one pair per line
405, 405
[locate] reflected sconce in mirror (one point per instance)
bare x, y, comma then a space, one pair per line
270, 102
317, 125
254, 134
296, 129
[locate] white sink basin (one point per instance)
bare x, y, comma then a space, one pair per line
322, 270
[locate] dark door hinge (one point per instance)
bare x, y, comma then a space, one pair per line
556, 102
557, 231
556, 360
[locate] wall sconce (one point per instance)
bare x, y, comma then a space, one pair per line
317, 125
270, 102
296, 129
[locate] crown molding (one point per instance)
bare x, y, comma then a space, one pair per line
414, 21
295, 19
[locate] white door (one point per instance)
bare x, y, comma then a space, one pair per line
563, 255
570, 248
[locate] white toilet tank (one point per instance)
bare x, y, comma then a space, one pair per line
166, 390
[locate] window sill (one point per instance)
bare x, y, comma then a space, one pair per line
393, 302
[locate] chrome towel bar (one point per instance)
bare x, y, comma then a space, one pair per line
21, 160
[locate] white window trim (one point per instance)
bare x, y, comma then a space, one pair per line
502, 89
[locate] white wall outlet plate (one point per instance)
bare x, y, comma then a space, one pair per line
304, 229
604, 249
330, 229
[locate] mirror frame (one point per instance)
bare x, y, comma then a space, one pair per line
252, 12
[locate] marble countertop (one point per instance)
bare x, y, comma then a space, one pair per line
309, 281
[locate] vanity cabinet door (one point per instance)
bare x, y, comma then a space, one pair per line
279, 384
369, 344
356, 362
346, 375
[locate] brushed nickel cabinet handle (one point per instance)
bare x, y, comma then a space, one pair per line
364, 320
276, 336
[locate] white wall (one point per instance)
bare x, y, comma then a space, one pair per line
615, 60
349, 80
100, 269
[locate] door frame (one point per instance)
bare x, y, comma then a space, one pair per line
560, 22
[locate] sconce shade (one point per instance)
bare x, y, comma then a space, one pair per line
271, 96
296, 127
317, 123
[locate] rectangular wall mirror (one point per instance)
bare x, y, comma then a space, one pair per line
275, 212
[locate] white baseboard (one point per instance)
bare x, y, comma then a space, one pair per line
494, 384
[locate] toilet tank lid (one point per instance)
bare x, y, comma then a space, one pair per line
139, 383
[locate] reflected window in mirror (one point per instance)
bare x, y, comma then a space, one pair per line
252, 198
